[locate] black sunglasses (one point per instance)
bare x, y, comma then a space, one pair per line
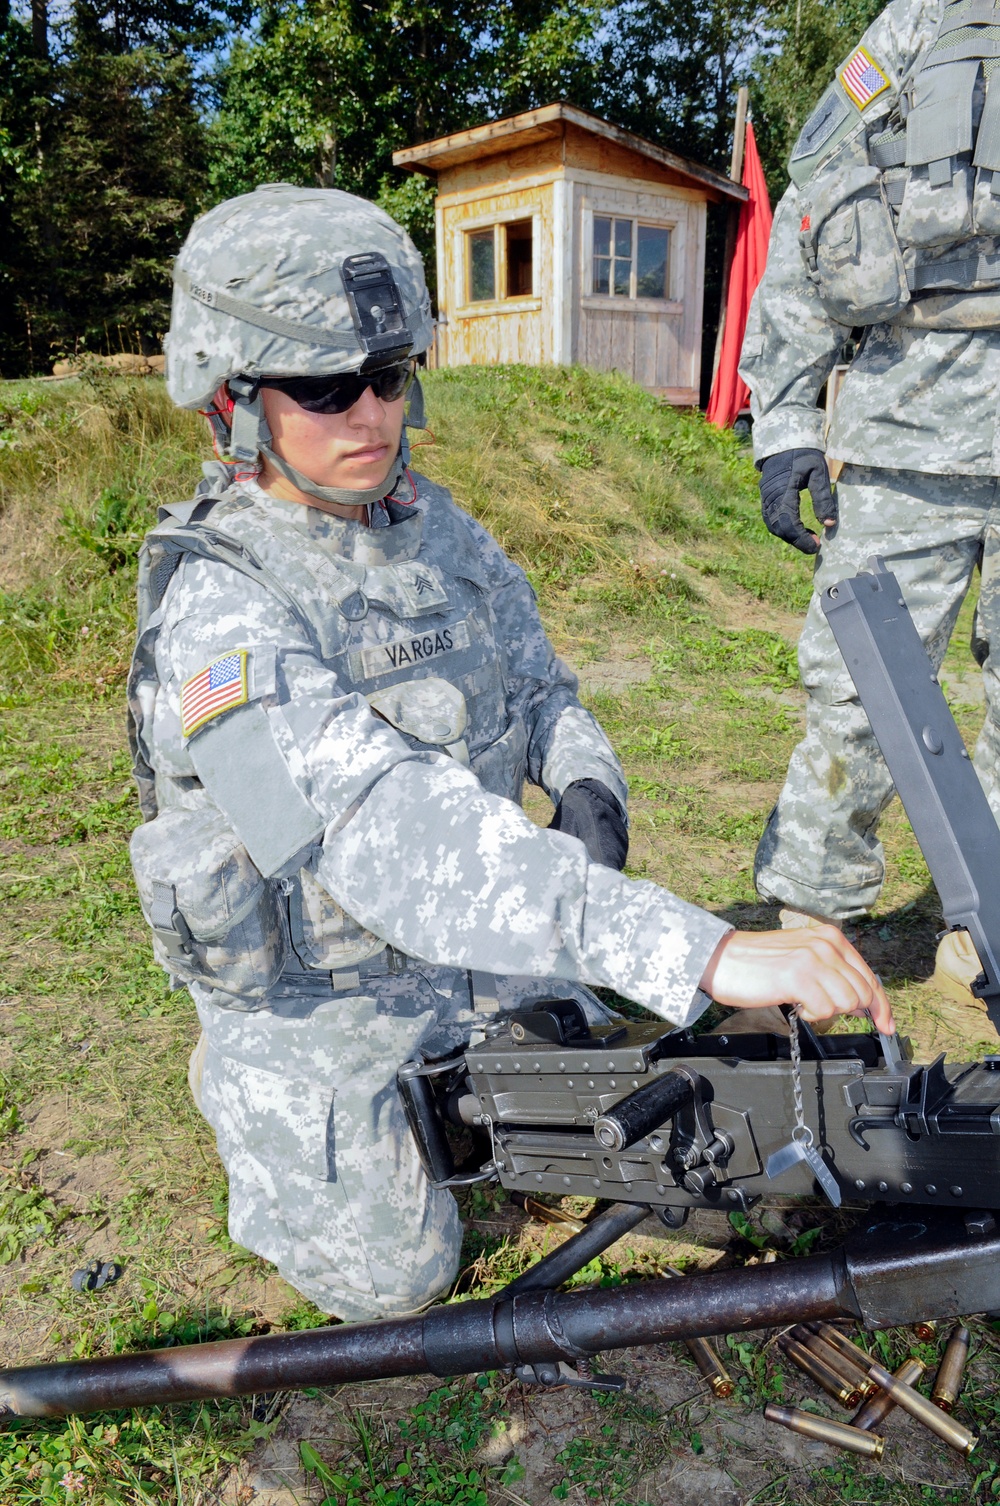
335, 394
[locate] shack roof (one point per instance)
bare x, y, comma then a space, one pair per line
553, 121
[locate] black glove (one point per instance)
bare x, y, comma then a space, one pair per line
588, 810
782, 477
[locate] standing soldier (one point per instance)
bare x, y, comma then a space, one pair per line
891, 223
339, 686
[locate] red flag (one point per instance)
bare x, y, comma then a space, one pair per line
729, 392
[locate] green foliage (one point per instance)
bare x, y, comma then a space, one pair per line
27, 1216
431, 1461
671, 72
809, 40
111, 532
323, 92
117, 173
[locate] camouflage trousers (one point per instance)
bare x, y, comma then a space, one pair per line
820, 851
324, 1177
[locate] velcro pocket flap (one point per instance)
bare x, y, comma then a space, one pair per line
200, 857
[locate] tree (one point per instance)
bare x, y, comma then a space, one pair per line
102, 166
325, 90
672, 71
809, 38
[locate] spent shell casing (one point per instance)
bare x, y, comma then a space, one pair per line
926, 1330
925, 1411
711, 1367
853, 1374
878, 1406
839, 1434
547, 1215
852, 1353
948, 1381
704, 1355
828, 1380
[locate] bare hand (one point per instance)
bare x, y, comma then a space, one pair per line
815, 968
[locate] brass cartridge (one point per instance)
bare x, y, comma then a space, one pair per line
925, 1411
948, 1381
854, 1373
711, 1367
851, 1352
547, 1215
704, 1355
926, 1330
878, 1406
833, 1384
839, 1434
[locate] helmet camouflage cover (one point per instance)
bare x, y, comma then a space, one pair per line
258, 289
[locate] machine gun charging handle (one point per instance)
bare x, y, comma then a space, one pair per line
645, 1110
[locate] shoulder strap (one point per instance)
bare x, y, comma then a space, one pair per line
162, 551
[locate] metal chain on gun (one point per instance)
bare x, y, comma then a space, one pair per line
802, 1129
802, 1146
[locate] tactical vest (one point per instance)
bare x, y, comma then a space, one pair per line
402, 618
910, 238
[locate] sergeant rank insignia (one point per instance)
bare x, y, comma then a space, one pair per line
219, 687
862, 78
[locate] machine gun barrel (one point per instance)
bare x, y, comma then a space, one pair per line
947, 1270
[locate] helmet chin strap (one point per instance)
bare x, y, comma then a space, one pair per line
250, 437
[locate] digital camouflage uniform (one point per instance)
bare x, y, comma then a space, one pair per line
347, 845
891, 222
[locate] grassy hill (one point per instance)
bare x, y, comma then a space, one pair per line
640, 531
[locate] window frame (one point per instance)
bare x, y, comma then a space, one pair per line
671, 303
496, 221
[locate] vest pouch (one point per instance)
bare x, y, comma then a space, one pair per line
936, 214
501, 766
986, 203
850, 249
215, 920
323, 934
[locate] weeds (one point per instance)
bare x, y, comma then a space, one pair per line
430, 1461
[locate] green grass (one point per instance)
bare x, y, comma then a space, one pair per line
639, 528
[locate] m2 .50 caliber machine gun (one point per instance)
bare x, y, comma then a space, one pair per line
664, 1121
676, 1121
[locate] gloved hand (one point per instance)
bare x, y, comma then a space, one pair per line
588, 810
782, 477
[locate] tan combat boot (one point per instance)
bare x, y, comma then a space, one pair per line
798, 920
956, 966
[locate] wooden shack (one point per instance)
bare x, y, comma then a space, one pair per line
562, 238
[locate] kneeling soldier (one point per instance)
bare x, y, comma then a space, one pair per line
340, 684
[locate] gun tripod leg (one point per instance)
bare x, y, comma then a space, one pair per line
553, 1269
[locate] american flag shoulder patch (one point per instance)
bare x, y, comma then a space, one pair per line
218, 687
862, 78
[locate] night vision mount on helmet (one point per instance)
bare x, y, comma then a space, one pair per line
286, 282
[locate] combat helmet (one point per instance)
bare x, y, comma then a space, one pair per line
292, 282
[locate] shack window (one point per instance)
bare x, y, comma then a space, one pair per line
500, 262
652, 242
482, 265
520, 272
630, 260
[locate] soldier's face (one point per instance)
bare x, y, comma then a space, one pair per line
354, 450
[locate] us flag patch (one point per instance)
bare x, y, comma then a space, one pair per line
862, 78
219, 687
